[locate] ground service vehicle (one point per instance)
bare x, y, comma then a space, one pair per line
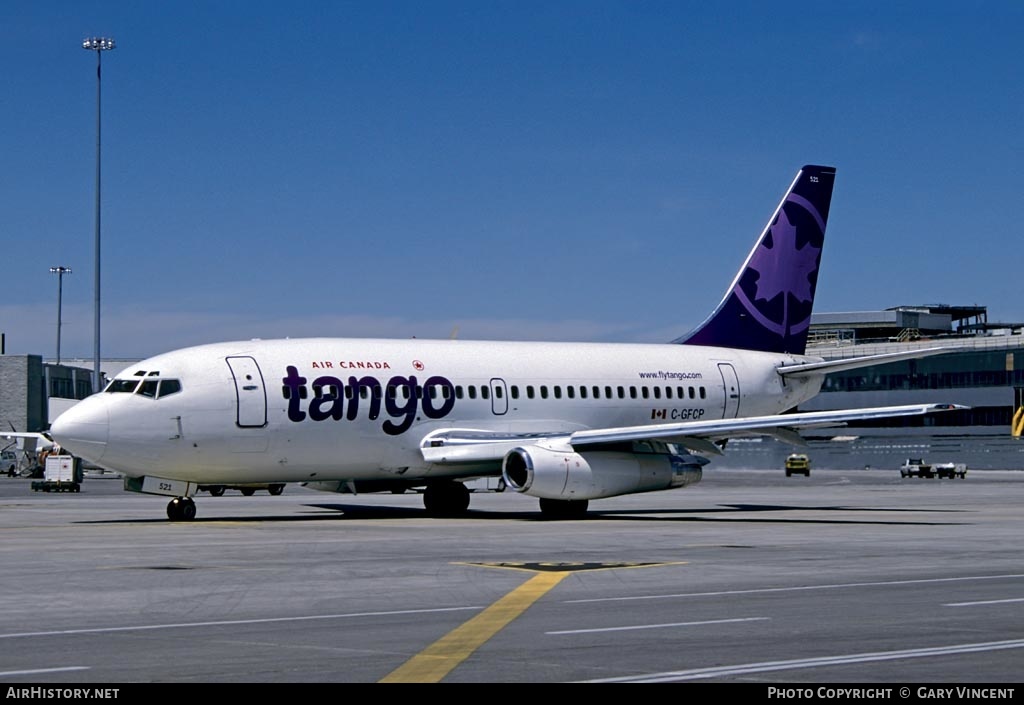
916, 467
798, 464
62, 473
9, 463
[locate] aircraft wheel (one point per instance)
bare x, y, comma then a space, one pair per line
248, 491
275, 489
181, 509
563, 508
446, 499
216, 490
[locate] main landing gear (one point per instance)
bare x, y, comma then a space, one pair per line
446, 499
563, 508
181, 509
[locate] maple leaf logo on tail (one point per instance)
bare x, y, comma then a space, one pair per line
785, 269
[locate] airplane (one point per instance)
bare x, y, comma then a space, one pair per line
31, 446
564, 422
29, 441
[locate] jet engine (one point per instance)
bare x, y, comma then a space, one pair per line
551, 474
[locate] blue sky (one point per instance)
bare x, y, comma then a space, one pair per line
592, 170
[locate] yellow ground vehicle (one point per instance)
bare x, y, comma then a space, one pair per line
798, 464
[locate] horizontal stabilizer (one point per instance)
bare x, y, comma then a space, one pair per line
808, 369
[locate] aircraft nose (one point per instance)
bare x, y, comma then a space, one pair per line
83, 429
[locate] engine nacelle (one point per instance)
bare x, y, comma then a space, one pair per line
549, 474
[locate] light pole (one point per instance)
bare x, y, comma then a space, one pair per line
60, 272
98, 45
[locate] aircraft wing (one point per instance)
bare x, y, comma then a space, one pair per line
458, 446
29, 441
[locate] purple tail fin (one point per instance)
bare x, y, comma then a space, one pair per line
768, 306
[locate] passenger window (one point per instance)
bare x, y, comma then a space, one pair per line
645, 392
543, 391
458, 392
515, 392
497, 393
529, 391
597, 391
607, 392
485, 392
703, 393
472, 391
657, 392
583, 392
668, 392
558, 391
632, 392
692, 393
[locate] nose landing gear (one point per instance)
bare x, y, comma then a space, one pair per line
181, 509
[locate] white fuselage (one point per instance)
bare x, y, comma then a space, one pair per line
312, 410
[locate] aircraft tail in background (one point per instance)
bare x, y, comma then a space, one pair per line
768, 306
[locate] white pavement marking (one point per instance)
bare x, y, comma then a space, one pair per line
741, 669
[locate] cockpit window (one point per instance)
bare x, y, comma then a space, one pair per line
147, 386
169, 386
123, 386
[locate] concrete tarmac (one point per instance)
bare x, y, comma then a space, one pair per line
856, 576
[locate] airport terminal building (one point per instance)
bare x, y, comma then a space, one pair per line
30, 389
984, 371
